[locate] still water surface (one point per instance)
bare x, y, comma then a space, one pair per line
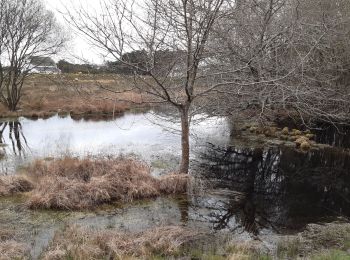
151, 137
239, 187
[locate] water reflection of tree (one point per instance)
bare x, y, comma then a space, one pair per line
338, 136
17, 140
275, 188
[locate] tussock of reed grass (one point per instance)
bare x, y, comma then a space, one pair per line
80, 243
13, 250
75, 184
10, 185
6, 235
173, 183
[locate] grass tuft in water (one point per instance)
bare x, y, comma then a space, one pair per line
76, 184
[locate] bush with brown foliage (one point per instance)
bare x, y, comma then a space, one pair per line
74, 184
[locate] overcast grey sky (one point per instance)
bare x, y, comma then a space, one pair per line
77, 49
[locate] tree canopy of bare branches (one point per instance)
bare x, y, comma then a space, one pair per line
287, 54
226, 55
27, 29
172, 36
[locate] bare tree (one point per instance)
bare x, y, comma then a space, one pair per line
27, 29
256, 55
172, 37
286, 55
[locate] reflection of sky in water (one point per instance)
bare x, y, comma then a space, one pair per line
142, 134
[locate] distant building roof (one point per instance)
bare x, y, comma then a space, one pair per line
42, 61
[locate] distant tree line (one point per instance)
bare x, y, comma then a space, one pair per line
138, 62
134, 62
67, 67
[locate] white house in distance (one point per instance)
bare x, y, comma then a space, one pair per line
43, 65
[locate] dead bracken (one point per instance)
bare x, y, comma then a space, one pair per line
73, 184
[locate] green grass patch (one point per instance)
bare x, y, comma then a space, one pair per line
332, 255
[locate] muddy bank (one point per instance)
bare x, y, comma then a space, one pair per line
304, 140
335, 134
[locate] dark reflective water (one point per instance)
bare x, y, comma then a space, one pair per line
338, 136
274, 189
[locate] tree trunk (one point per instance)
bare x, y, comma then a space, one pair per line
12, 106
185, 140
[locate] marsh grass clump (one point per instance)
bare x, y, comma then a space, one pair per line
173, 183
9, 248
331, 255
317, 241
81, 243
10, 185
289, 248
13, 250
74, 184
328, 236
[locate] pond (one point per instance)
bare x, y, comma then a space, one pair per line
150, 136
245, 189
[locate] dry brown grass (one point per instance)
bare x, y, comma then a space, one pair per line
6, 234
10, 185
10, 249
13, 250
74, 184
173, 183
80, 243
45, 95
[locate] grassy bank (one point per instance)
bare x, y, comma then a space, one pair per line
318, 242
74, 184
78, 94
81, 243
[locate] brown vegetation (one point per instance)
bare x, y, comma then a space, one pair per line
327, 241
79, 243
13, 250
301, 139
72, 183
45, 95
9, 248
10, 185
317, 241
